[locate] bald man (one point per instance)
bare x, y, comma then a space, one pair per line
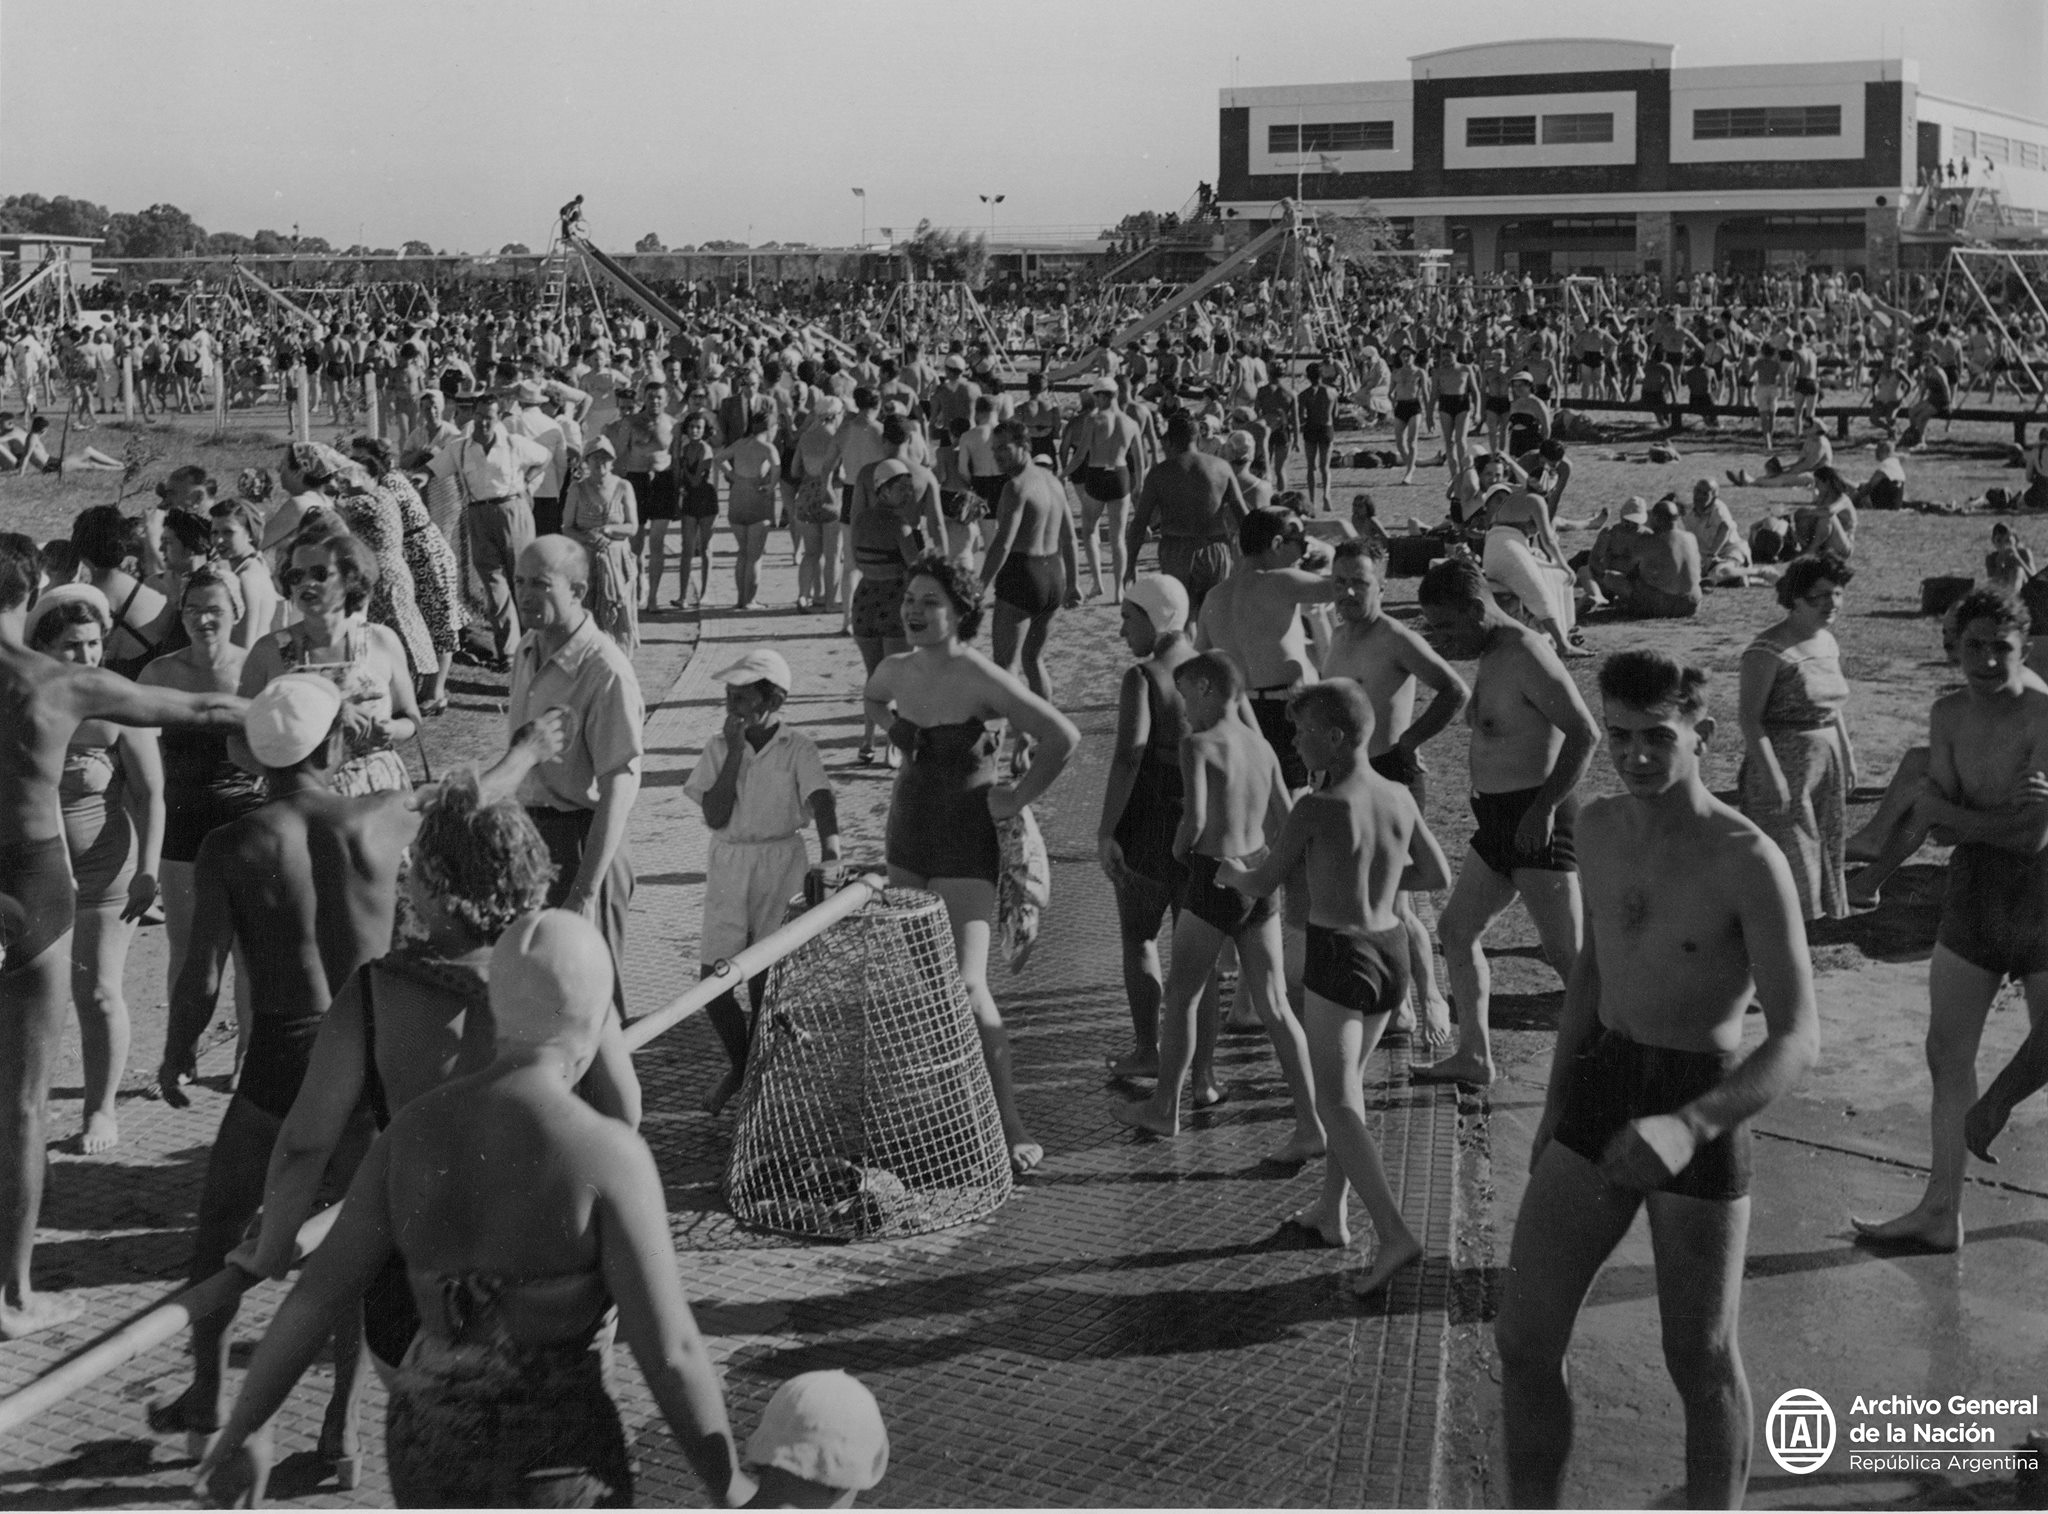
582, 798
506, 1174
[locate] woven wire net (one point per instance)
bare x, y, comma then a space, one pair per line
867, 1112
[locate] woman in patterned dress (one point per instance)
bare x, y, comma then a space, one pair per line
373, 518
436, 576
601, 512
1799, 765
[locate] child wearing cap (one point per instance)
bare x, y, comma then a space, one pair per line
820, 1442
756, 779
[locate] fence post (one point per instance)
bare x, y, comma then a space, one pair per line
128, 386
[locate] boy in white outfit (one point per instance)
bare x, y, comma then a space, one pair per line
756, 780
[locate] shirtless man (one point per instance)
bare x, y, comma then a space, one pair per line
1234, 803
1197, 504
1254, 615
44, 701
307, 887
1815, 451
1663, 578
1987, 785
1388, 661
1107, 464
1692, 915
1532, 737
1031, 559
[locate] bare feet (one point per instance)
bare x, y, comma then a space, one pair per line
341, 1448
198, 1422
1918, 1230
1981, 1127
1209, 1095
101, 1133
1860, 897
1025, 1156
1436, 1029
1142, 1116
1390, 1259
1303, 1148
1334, 1231
1140, 1062
37, 1311
1454, 1069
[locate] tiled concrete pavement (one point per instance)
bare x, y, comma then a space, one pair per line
1123, 1332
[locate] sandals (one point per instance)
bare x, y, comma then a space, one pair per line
865, 756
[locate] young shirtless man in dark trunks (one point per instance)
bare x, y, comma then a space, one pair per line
1392, 663
1031, 559
1360, 842
1196, 503
1107, 466
43, 701
1233, 803
1691, 914
307, 886
1532, 737
1987, 786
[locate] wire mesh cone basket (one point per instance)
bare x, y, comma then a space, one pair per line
867, 1112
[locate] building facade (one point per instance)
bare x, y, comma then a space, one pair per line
1583, 155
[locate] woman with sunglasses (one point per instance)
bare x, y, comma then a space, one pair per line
329, 582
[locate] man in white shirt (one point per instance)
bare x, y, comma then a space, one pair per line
528, 419
497, 473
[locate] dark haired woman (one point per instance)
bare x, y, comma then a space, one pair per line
1798, 765
436, 575
330, 581
110, 547
940, 699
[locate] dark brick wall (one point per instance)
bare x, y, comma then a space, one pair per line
1651, 173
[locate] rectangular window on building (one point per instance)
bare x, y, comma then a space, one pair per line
2027, 154
1997, 149
1963, 141
1500, 131
1767, 121
1590, 127
1330, 136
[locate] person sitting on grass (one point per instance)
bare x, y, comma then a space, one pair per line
35, 455
1663, 577
1815, 452
1234, 802
1886, 489
1361, 842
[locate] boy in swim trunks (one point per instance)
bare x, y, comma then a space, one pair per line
1108, 470
1234, 801
1691, 914
1361, 840
1987, 786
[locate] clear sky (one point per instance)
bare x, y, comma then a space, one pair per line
466, 122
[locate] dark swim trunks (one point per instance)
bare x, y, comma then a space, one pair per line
989, 486
1357, 970
1399, 764
1200, 563
36, 876
1032, 585
1614, 1080
1225, 908
1278, 728
1104, 484
1494, 841
1995, 915
1454, 404
1407, 410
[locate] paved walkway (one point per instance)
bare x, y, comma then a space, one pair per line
1122, 1332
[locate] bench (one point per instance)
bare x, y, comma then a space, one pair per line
1843, 414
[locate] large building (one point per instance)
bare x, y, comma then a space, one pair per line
1590, 155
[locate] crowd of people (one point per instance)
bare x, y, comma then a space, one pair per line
217, 692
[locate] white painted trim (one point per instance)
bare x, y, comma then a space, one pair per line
1687, 98
1459, 109
1740, 202
1542, 55
1398, 107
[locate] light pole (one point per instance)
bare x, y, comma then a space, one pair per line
992, 201
862, 196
